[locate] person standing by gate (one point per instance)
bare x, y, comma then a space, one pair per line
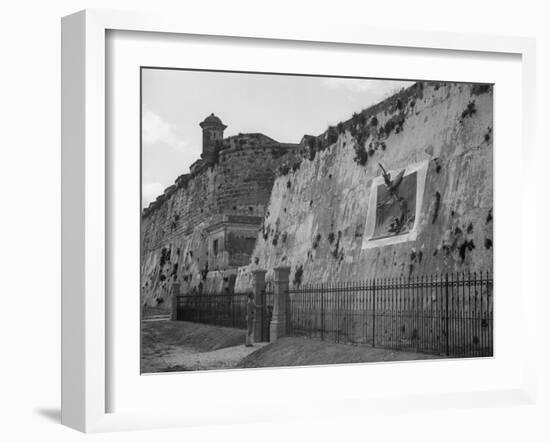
251, 307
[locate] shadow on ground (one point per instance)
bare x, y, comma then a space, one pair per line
183, 346
51, 414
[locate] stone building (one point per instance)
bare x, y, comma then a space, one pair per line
204, 226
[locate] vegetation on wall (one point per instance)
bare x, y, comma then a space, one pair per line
437, 202
478, 89
361, 155
204, 272
335, 252
316, 241
275, 239
312, 148
298, 273
164, 256
488, 134
394, 123
332, 135
362, 126
469, 111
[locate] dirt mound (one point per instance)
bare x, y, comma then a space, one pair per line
300, 351
186, 334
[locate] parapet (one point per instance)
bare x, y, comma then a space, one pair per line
236, 144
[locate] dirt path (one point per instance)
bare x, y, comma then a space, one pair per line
176, 358
188, 359
302, 351
183, 346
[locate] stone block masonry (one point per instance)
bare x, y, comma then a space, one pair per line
253, 203
317, 215
205, 225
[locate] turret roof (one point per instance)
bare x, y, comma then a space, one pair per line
212, 120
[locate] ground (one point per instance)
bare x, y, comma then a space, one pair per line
303, 351
183, 346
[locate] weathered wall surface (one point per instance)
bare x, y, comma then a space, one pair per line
174, 237
317, 212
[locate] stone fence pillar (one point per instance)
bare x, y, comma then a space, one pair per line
174, 292
278, 326
259, 300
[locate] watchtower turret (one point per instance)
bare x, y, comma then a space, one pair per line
212, 136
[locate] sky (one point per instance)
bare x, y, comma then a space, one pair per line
283, 107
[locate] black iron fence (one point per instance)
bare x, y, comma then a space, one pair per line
448, 314
227, 310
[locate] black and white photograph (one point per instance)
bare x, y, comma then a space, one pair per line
294, 220
275, 221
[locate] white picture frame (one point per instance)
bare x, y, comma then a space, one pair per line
85, 312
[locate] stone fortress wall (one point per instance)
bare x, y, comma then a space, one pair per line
252, 202
316, 220
229, 187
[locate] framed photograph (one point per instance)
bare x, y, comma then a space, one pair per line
377, 232
288, 207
